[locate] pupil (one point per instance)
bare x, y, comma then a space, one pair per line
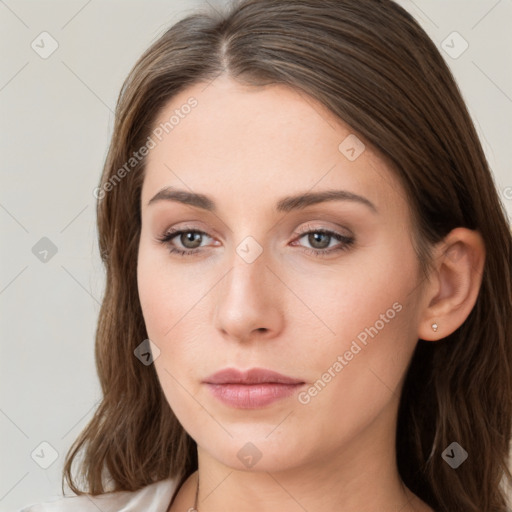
314, 239
191, 236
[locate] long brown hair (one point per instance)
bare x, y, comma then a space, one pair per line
372, 65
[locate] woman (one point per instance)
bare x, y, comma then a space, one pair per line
308, 301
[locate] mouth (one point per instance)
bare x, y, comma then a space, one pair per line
252, 389
249, 377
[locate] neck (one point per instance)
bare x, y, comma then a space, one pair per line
361, 476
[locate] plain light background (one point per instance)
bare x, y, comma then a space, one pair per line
56, 120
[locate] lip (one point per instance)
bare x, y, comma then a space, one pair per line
251, 389
252, 376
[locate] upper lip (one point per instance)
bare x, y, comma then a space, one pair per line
251, 376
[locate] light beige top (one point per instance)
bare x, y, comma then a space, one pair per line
152, 498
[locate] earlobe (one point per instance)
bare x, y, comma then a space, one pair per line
456, 279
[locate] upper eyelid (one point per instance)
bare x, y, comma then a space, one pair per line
305, 230
308, 227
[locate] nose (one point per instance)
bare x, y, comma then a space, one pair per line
249, 302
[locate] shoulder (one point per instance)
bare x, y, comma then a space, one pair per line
152, 498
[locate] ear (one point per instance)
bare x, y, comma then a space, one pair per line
453, 284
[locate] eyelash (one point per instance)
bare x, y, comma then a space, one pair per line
347, 242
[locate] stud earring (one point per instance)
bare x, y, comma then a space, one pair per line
434, 327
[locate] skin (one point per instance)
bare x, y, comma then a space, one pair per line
288, 310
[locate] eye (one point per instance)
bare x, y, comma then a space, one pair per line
190, 240
320, 241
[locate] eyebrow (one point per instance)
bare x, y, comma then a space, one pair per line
286, 204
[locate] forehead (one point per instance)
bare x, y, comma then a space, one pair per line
273, 122
242, 143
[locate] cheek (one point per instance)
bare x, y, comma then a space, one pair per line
167, 300
166, 292
354, 295
367, 314
174, 301
153, 295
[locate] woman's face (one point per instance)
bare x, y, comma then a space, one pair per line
326, 292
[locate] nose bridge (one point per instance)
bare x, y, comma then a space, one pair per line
247, 300
248, 259
247, 282
247, 278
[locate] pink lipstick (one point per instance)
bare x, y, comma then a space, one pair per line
251, 389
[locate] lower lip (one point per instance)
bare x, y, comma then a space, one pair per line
252, 396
